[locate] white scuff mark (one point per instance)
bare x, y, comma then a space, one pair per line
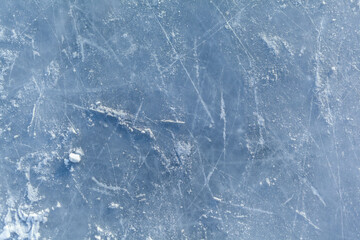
137, 112
166, 160
186, 71
34, 111
32, 118
103, 234
115, 205
197, 68
124, 118
242, 205
14, 34
322, 85
14, 103
217, 199
260, 118
53, 71
82, 40
34, 50
316, 193
276, 43
145, 131
2, 33
271, 43
172, 121
109, 187
77, 186
141, 196
268, 181
81, 43
241, 216
52, 134
223, 117
256, 210
102, 191
303, 214
222, 114
75, 54
288, 200
72, 127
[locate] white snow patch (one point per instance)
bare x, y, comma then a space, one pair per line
74, 157
25, 224
76, 154
183, 148
32, 193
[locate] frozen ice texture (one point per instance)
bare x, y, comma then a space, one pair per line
234, 119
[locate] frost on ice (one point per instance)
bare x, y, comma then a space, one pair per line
153, 119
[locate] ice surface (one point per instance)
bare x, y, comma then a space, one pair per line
158, 119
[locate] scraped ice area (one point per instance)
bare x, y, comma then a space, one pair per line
155, 119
